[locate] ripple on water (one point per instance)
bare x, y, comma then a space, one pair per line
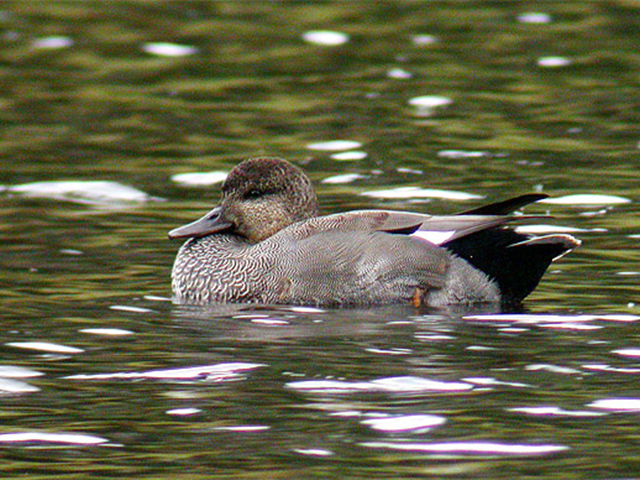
586, 199
9, 386
390, 385
405, 423
429, 105
489, 381
534, 18
545, 367
53, 42
314, 452
107, 331
534, 319
301, 309
129, 308
603, 367
417, 192
182, 412
349, 156
399, 73
167, 49
45, 437
200, 179
571, 326
628, 352
424, 39
457, 154
542, 228
345, 178
554, 62
334, 145
471, 448
221, 371
10, 371
326, 38
617, 404
430, 101
555, 412
45, 347
98, 193
242, 428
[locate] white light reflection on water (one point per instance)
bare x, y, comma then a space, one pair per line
390, 351
167, 49
128, 308
116, 332
487, 381
391, 384
349, 156
586, 199
326, 38
458, 154
9, 386
424, 39
272, 322
45, 347
200, 179
601, 367
617, 404
346, 178
535, 319
544, 367
555, 229
183, 412
417, 192
334, 145
571, 326
10, 371
534, 17
222, 371
555, 412
314, 452
53, 42
554, 62
44, 437
405, 423
471, 448
243, 428
628, 352
91, 192
430, 101
399, 73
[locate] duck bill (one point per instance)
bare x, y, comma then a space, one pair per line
212, 222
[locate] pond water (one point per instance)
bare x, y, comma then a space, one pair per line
429, 106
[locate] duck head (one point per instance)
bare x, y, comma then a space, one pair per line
260, 197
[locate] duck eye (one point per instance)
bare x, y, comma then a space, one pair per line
251, 194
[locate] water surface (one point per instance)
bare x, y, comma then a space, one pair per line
435, 107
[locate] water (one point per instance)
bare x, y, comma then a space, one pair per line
444, 106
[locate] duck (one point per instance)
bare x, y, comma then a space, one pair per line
265, 242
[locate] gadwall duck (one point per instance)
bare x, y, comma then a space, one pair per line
265, 243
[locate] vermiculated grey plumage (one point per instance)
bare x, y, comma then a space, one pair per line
266, 244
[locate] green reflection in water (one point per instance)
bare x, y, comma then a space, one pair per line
102, 108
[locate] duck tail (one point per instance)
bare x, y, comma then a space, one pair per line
508, 206
515, 261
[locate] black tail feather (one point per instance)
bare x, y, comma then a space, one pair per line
506, 206
514, 260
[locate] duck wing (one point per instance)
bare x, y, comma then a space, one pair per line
438, 230
481, 237
433, 229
